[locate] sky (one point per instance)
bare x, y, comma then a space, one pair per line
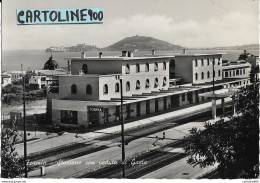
188, 23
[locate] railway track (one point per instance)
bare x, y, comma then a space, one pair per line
74, 150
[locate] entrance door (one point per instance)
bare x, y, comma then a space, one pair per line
128, 111
147, 107
138, 110
165, 103
175, 101
190, 97
156, 105
106, 119
93, 117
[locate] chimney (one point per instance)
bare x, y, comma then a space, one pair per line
83, 54
153, 52
130, 54
100, 54
124, 53
184, 51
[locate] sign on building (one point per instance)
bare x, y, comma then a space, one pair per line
95, 109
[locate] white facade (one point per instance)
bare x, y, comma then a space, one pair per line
40, 80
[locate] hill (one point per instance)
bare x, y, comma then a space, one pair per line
241, 47
142, 43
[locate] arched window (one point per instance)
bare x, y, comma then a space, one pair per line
138, 85
73, 89
117, 87
196, 76
85, 69
172, 64
155, 66
146, 67
127, 86
137, 68
164, 66
208, 60
196, 63
127, 69
164, 81
208, 74
202, 75
202, 62
88, 90
219, 73
156, 83
105, 89
147, 83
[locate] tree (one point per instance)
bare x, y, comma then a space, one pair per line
234, 144
11, 163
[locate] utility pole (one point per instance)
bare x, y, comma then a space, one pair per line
213, 63
24, 128
122, 129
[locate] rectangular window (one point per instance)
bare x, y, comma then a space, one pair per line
244, 71
226, 74
69, 117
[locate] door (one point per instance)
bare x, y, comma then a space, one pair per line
106, 119
128, 111
138, 110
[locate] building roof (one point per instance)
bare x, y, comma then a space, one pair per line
51, 72
5, 76
199, 54
234, 66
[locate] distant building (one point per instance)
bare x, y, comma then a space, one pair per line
40, 80
6, 80
15, 75
252, 59
51, 64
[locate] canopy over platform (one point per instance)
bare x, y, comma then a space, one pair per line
219, 94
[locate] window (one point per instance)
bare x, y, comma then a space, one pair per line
85, 69
127, 86
117, 87
208, 74
88, 90
219, 73
43, 79
213, 61
234, 73
156, 66
202, 75
164, 66
244, 71
208, 60
156, 83
196, 76
202, 62
105, 89
183, 97
164, 81
226, 74
137, 68
138, 85
69, 117
196, 63
146, 67
127, 69
172, 64
237, 72
147, 83
241, 72
230, 73
73, 89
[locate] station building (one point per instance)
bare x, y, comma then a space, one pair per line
90, 94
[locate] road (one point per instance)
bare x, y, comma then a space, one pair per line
114, 153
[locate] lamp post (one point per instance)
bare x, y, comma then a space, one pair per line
122, 129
